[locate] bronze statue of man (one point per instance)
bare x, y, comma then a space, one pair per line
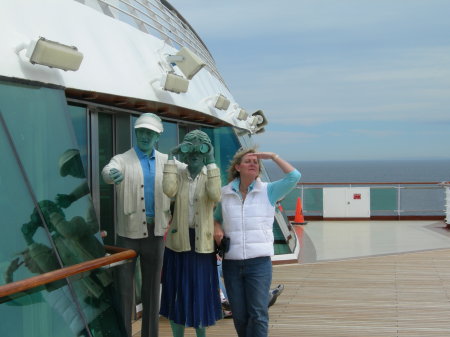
143, 213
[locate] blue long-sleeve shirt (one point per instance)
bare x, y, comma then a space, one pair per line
275, 190
148, 169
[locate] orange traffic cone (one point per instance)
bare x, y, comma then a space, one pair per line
299, 219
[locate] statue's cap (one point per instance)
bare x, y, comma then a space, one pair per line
64, 159
149, 121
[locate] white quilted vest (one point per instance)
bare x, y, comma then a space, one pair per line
249, 224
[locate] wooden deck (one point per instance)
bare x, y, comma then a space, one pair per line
402, 295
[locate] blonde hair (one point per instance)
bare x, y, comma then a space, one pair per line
236, 160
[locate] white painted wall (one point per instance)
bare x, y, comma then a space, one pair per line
118, 58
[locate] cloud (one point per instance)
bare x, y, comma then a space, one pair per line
377, 133
320, 93
282, 141
252, 18
327, 72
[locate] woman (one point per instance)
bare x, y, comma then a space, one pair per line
246, 215
190, 292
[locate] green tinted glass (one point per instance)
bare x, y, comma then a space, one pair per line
47, 217
105, 143
225, 145
169, 138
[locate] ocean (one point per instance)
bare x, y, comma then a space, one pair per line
368, 170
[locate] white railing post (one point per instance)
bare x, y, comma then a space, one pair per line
447, 202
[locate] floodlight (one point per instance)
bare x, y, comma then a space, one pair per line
241, 114
175, 83
218, 101
53, 54
222, 102
253, 121
261, 118
171, 82
188, 62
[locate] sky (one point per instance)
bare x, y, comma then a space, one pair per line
336, 79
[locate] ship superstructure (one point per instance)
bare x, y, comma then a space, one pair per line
74, 76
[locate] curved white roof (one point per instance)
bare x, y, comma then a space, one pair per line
121, 56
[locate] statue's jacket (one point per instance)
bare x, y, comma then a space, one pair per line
206, 195
131, 217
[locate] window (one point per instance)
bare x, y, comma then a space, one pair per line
40, 232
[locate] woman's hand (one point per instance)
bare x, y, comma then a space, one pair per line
283, 164
266, 155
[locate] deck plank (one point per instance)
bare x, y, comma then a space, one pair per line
404, 295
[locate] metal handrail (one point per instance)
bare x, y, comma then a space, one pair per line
55, 275
374, 183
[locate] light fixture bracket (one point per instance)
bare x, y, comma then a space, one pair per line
187, 61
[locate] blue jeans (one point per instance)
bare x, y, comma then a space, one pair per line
248, 284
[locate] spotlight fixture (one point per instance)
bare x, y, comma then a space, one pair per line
222, 102
171, 82
188, 62
253, 121
261, 118
52, 54
175, 83
241, 115
218, 101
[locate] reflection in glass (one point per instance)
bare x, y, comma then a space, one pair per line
47, 220
105, 151
169, 138
225, 145
79, 121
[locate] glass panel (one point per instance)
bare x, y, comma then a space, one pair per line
105, 141
33, 176
290, 200
225, 145
51, 310
95, 294
16, 207
421, 200
47, 170
383, 199
133, 133
169, 138
79, 122
48, 311
182, 131
45, 142
312, 200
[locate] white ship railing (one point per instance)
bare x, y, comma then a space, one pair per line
435, 197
